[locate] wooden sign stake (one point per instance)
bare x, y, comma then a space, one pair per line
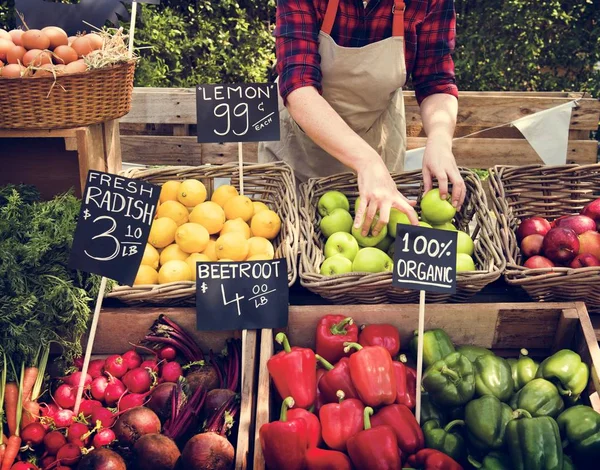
421, 333
241, 173
90, 344
132, 27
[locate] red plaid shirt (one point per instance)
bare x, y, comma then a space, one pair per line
430, 27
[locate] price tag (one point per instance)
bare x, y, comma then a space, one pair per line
425, 259
113, 226
242, 295
247, 112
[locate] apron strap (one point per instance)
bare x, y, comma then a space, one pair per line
330, 14
397, 21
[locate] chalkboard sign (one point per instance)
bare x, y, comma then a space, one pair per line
425, 259
113, 226
247, 112
242, 295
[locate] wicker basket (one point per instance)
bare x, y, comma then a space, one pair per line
73, 100
550, 192
473, 218
271, 183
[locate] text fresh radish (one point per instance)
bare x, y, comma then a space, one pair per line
132, 359
103, 438
54, 441
115, 366
65, 396
168, 353
98, 387
137, 380
171, 371
33, 434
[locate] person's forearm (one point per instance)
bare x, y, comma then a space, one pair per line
438, 113
327, 129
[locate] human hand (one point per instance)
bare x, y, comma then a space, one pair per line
378, 193
439, 162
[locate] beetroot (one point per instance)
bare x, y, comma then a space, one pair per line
104, 415
87, 406
132, 359
137, 380
69, 454
159, 397
131, 400
115, 366
205, 376
33, 434
156, 452
98, 387
136, 423
65, 396
208, 450
23, 466
114, 391
53, 442
168, 353
75, 434
215, 399
63, 418
95, 368
102, 459
171, 371
103, 438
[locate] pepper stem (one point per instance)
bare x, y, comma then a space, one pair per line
368, 413
562, 390
524, 352
402, 358
287, 404
349, 346
520, 413
340, 328
452, 424
324, 362
282, 339
474, 462
340, 394
450, 373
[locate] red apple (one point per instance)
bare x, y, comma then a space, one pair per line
555, 222
561, 245
531, 245
538, 262
584, 260
589, 242
592, 210
532, 226
577, 223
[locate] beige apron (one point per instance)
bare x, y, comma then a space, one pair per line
364, 86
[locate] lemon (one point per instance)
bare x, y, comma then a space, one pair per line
168, 191
162, 232
266, 224
225, 260
192, 238
173, 210
237, 225
232, 246
260, 246
172, 252
223, 193
191, 193
259, 257
174, 271
259, 206
239, 206
145, 275
211, 250
210, 215
191, 261
151, 257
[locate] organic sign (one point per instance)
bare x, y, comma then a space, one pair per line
113, 226
246, 112
242, 295
425, 259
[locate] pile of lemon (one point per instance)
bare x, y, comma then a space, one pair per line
188, 228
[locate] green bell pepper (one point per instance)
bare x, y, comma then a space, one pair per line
486, 419
565, 370
568, 463
492, 461
454, 413
534, 443
541, 398
580, 428
450, 381
493, 376
444, 439
436, 346
523, 369
430, 412
473, 352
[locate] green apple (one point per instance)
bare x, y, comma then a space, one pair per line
332, 200
463, 263
338, 220
435, 210
465, 243
396, 217
337, 264
356, 204
369, 240
424, 224
372, 260
447, 226
385, 244
341, 243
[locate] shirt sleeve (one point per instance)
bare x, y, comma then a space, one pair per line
434, 68
297, 46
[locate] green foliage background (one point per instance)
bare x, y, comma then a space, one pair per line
540, 45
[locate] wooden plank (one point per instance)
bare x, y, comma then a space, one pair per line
181, 129
263, 393
161, 150
567, 326
7, 133
176, 106
247, 406
112, 146
223, 153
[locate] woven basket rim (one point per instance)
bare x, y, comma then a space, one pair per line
107, 68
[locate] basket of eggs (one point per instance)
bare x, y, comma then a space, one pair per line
51, 81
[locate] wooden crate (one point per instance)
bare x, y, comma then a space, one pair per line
118, 328
505, 328
160, 126
57, 160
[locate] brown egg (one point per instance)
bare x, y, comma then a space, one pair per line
71, 39
97, 41
45, 70
16, 34
36, 58
83, 46
1, 64
35, 39
78, 66
60, 69
4, 35
5, 47
15, 55
57, 36
12, 71
65, 55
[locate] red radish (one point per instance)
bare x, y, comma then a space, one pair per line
75, 433
132, 400
65, 396
78, 362
54, 441
69, 454
73, 380
136, 423
104, 415
208, 450
63, 418
98, 388
87, 406
168, 352
24, 466
137, 380
95, 368
115, 366
47, 461
150, 364
103, 438
114, 391
159, 398
171, 371
33, 434
132, 359
102, 459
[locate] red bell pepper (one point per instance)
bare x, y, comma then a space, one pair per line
319, 402
406, 383
312, 424
374, 448
381, 335
332, 332
372, 374
336, 378
431, 459
340, 421
408, 432
285, 442
321, 459
294, 372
